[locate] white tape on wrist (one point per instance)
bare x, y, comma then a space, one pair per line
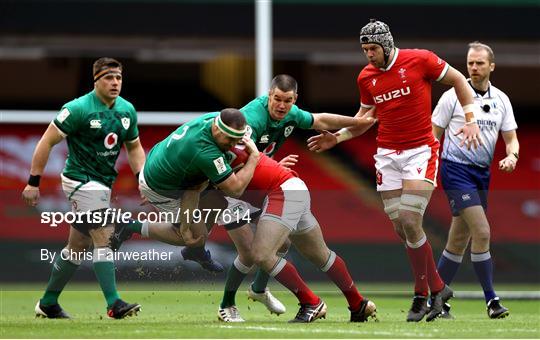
343, 135
468, 108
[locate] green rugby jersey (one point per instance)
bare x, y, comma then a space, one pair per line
187, 157
95, 134
269, 134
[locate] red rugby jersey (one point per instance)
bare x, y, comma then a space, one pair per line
402, 95
268, 176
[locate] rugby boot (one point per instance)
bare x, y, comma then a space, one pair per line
204, 258
120, 309
267, 299
367, 310
229, 314
418, 309
50, 312
438, 301
495, 310
309, 313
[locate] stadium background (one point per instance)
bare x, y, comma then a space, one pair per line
198, 56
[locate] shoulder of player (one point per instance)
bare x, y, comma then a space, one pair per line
124, 105
79, 104
259, 103
498, 92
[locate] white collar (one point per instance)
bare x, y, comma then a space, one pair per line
396, 52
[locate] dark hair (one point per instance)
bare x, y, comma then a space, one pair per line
233, 118
284, 82
477, 45
105, 62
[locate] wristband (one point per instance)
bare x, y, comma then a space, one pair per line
515, 154
343, 135
34, 180
468, 108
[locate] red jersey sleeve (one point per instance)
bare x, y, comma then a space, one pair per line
366, 99
435, 68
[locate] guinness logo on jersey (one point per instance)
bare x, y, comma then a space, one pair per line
392, 95
125, 123
110, 140
288, 131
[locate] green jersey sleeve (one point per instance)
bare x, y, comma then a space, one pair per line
68, 119
214, 165
303, 118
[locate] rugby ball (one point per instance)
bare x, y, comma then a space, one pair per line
238, 156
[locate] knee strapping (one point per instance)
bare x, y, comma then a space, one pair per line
391, 207
414, 203
278, 267
241, 267
330, 262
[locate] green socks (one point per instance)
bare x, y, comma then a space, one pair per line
61, 273
260, 282
235, 276
105, 273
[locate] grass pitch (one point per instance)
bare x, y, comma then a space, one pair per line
192, 313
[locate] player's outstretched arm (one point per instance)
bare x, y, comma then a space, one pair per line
470, 131
331, 121
235, 185
327, 140
509, 163
50, 138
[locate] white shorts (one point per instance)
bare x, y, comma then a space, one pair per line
236, 209
167, 205
290, 206
393, 166
90, 196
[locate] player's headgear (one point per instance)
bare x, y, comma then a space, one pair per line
377, 32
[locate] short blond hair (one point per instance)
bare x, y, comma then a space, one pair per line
477, 45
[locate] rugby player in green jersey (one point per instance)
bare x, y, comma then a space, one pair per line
95, 126
176, 171
272, 119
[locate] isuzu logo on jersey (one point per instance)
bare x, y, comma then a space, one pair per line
392, 95
125, 123
110, 140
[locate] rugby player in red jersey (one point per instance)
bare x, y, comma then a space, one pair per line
397, 82
286, 213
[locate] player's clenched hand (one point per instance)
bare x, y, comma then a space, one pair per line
189, 240
289, 161
319, 143
251, 148
471, 135
365, 122
30, 195
508, 163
